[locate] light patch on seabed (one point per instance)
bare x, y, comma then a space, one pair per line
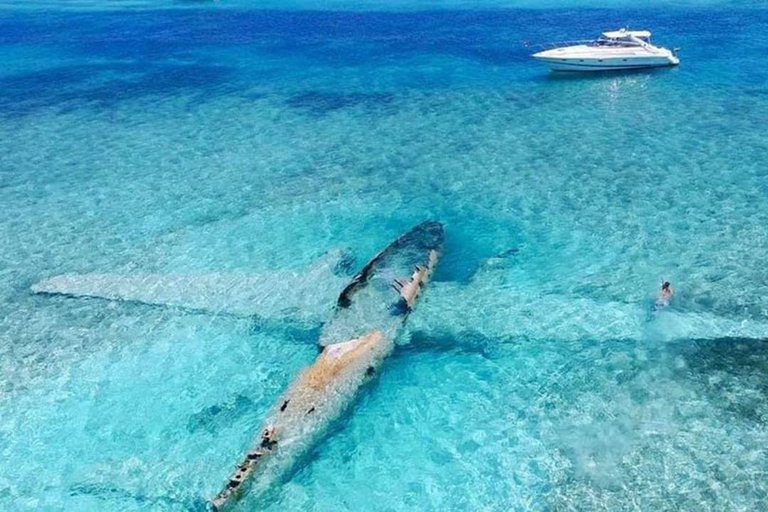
561, 464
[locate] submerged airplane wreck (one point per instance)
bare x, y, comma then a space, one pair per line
364, 320
369, 314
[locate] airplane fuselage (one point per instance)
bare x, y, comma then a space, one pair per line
370, 309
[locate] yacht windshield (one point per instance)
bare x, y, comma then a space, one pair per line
615, 41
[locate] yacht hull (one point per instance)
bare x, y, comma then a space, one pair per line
615, 64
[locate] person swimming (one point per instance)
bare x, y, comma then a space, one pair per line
665, 295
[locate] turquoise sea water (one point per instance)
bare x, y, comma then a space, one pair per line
208, 138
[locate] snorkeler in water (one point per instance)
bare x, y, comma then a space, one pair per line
665, 295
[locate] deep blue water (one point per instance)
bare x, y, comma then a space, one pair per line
206, 139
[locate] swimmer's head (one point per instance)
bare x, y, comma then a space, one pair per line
665, 285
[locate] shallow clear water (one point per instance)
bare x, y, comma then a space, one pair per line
208, 140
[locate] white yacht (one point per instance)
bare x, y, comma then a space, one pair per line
618, 49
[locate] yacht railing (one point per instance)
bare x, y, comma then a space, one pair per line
592, 42
558, 44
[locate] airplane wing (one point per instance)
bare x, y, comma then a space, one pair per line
463, 313
304, 296
453, 312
